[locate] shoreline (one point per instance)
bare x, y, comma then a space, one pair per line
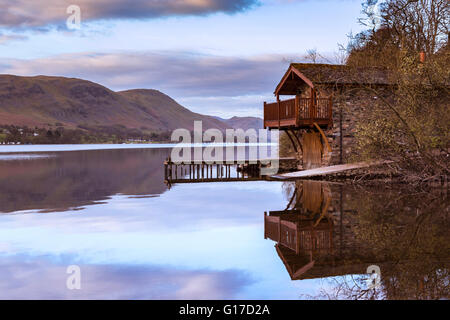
35, 148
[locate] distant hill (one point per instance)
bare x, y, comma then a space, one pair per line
244, 123
44, 101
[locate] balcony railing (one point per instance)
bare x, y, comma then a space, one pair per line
298, 112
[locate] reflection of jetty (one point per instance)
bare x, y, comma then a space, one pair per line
198, 172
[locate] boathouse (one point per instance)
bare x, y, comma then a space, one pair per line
318, 107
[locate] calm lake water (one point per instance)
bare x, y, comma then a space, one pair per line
110, 213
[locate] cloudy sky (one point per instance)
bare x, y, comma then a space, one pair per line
218, 57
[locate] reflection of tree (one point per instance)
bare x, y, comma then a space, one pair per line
411, 231
402, 230
406, 233
349, 287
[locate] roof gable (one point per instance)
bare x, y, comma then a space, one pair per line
300, 75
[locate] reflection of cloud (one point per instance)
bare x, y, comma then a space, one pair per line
121, 213
25, 13
42, 278
182, 74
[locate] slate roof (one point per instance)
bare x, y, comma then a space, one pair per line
330, 74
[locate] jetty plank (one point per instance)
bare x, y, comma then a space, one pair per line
327, 170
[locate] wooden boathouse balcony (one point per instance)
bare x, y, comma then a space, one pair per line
298, 113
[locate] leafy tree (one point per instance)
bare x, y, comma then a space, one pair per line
411, 125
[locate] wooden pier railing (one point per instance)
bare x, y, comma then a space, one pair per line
211, 172
299, 112
297, 234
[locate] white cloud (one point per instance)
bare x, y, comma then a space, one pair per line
4, 38
25, 13
183, 74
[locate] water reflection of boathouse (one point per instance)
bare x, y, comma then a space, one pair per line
304, 230
319, 235
314, 234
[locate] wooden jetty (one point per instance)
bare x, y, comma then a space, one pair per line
249, 170
203, 172
325, 171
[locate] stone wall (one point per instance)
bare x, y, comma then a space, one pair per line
349, 108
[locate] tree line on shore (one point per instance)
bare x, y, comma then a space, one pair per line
11, 134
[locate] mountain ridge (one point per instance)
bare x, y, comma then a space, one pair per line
244, 123
73, 103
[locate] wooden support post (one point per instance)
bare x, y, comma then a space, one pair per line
265, 109
341, 138
279, 106
265, 225
341, 218
313, 104
279, 229
298, 141
324, 137
292, 141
